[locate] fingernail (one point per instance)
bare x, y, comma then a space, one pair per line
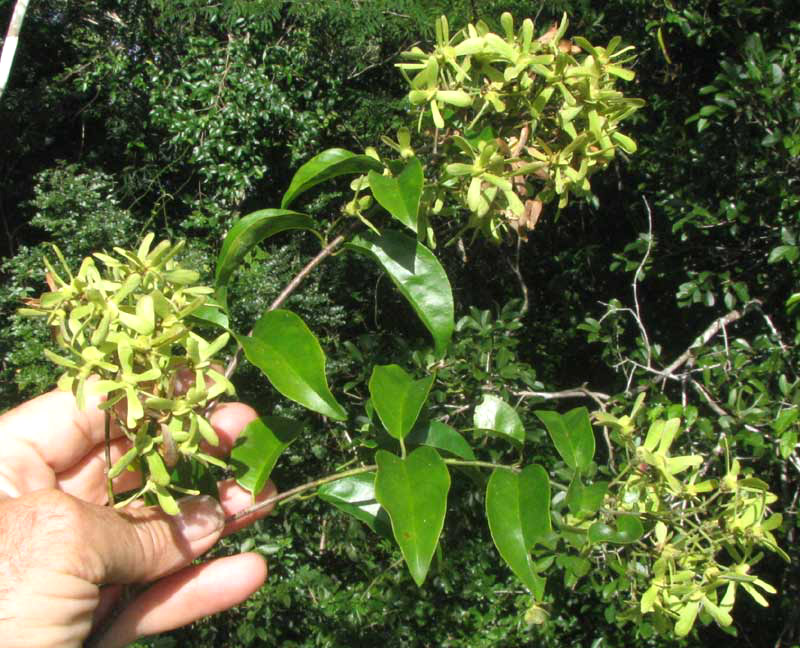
200, 516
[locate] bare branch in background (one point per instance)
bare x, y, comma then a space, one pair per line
577, 392
636, 280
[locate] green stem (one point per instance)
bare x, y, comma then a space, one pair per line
297, 491
480, 464
109, 481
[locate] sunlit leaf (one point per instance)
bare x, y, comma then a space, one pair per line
249, 231
258, 448
328, 164
400, 196
414, 493
289, 355
628, 529
442, 437
496, 415
418, 276
572, 435
355, 496
518, 511
398, 398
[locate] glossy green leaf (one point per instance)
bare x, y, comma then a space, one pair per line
397, 398
628, 529
442, 437
400, 196
249, 231
572, 435
328, 164
258, 448
498, 416
518, 511
414, 493
356, 496
212, 315
585, 499
289, 355
418, 276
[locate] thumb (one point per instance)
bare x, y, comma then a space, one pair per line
142, 544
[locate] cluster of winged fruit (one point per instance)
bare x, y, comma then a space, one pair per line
521, 120
126, 330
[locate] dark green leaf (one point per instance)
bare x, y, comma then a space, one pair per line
441, 436
289, 355
212, 315
628, 529
356, 496
585, 499
397, 398
418, 275
400, 196
250, 231
328, 164
414, 493
518, 511
259, 447
498, 416
572, 435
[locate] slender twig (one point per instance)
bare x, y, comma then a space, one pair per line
324, 253
636, 281
705, 336
578, 392
518, 274
372, 66
109, 481
297, 491
714, 405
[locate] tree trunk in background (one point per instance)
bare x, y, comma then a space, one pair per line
10, 44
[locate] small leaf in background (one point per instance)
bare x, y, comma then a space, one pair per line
355, 496
414, 493
442, 437
582, 499
397, 398
400, 196
518, 511
328, 164
249, 231
289, 355
498, 416
572, 435
419, 277
195, 475
628, 529
257, 450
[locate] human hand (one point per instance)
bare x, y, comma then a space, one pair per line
59, 543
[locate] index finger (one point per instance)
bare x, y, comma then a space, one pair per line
54, 428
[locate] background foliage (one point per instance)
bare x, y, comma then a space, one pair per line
181, 116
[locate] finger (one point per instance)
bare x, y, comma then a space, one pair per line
103, 546
228, 420
51, 433
186, 596
87, 479
233, 499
